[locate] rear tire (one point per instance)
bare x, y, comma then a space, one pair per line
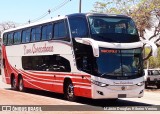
69, 92
21, 85
13, 83
146, 87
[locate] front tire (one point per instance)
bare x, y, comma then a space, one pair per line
69, 92
21, 85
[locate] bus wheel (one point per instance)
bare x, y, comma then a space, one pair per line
69, 91
146, 87
21, 85
13, 83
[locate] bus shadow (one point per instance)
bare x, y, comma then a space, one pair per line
108, 102
87, 101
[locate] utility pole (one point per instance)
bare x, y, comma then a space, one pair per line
80, 5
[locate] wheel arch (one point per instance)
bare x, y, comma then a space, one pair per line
11, 77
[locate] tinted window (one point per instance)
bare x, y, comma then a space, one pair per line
46, 63
113, 63
10, 38
5, 39
113, 29
47, 32
60, 30
119, 25
17, 37
36, 34
26, 36
155, 72
149, 72
78, 27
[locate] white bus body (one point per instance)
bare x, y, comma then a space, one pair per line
70, 55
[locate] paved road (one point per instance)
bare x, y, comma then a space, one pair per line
35, 97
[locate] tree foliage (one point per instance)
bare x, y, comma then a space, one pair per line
115, 6
6, 25
145, 13
147, 16
152, 61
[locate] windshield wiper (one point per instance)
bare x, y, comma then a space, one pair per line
108, 74
103, 74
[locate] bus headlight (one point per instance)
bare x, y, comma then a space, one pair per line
99, 83
140, 84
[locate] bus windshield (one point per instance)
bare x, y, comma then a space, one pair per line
113, 29
114, 63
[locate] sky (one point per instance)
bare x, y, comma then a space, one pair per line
21, 11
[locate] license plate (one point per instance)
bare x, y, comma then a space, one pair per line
122, 95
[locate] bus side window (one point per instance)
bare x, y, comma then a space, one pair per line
59, 64
44, 32
10, 38
26, 36
35, 34
47, 32
60, 31
46, 63
5, 39
17, 37
78, 27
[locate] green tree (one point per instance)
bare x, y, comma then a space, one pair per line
152, 61
145, 13
115, 6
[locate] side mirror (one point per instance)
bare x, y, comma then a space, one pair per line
91, 42
153, 46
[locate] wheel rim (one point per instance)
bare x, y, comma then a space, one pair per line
70, 91
21, 85
14, 83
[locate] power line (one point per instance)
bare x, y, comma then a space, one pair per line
50, 11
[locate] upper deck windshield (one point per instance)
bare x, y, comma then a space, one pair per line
113, 29
118, 29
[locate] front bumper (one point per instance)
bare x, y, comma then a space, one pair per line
132, 91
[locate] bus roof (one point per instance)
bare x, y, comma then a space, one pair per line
97, 14
35, 23
62, 17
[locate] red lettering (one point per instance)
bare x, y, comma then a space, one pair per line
34, 49
109, 51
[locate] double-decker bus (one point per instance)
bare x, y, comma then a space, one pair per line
95, 56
